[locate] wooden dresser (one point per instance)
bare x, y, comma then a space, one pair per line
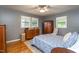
2, 38
30, 33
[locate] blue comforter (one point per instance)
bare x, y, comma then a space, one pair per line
47, 42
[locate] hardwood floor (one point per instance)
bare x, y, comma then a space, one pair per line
18, 47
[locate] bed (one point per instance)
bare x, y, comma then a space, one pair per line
49, 41
75, 47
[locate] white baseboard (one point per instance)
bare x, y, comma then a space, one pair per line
12, 40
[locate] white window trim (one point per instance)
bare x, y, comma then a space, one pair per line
29, 18
64, 18
37, 23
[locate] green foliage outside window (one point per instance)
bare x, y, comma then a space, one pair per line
61, 22
34, 22
29, 22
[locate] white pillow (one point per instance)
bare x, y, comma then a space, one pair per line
66, 37
55, 31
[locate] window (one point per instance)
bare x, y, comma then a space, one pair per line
61, 22
27, 22
34, 22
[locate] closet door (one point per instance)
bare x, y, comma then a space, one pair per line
2, 38
48, 27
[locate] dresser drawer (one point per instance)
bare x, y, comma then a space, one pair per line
29, 34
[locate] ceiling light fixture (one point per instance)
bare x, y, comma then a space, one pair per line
43, 8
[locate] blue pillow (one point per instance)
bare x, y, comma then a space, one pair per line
72, 40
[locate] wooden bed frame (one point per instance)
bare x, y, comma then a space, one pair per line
62, 50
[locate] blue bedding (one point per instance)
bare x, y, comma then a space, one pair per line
47, 42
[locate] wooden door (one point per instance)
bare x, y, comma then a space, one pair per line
2, 38
48, 27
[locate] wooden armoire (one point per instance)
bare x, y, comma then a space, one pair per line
2, 38
47, 27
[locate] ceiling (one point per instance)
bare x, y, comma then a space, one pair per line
55, 9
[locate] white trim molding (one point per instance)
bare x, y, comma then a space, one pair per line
12, 41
